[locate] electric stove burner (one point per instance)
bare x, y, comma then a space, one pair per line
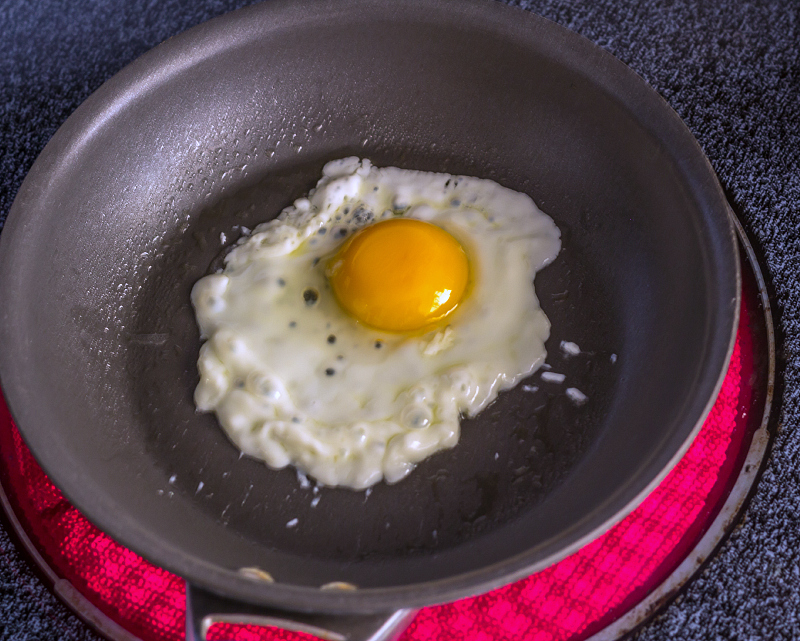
602, 591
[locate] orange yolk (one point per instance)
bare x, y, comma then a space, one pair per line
399, 275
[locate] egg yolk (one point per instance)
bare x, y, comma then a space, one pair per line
399, 275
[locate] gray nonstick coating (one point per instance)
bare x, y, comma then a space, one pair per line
229, 122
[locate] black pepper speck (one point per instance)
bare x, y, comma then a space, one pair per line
362, 216
311, 296
292, 324
281, 282
331, 339
378, 344
330, 371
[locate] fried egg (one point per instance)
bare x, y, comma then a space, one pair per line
348, 336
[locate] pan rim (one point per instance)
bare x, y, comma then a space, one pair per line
172, 56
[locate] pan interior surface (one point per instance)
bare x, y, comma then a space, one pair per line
139, 193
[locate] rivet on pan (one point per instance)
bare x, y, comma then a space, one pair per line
257, 574
338, 585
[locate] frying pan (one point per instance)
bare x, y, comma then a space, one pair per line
144, 186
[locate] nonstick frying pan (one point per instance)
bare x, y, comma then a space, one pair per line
140, 191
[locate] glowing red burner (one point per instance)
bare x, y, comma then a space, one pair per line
568, 601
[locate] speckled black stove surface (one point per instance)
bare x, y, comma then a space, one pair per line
730, 69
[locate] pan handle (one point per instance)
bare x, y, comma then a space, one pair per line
204, 609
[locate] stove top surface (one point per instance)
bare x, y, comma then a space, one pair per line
731, 72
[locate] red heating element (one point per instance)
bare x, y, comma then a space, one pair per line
566, 602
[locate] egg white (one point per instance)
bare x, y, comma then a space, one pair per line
295, 380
